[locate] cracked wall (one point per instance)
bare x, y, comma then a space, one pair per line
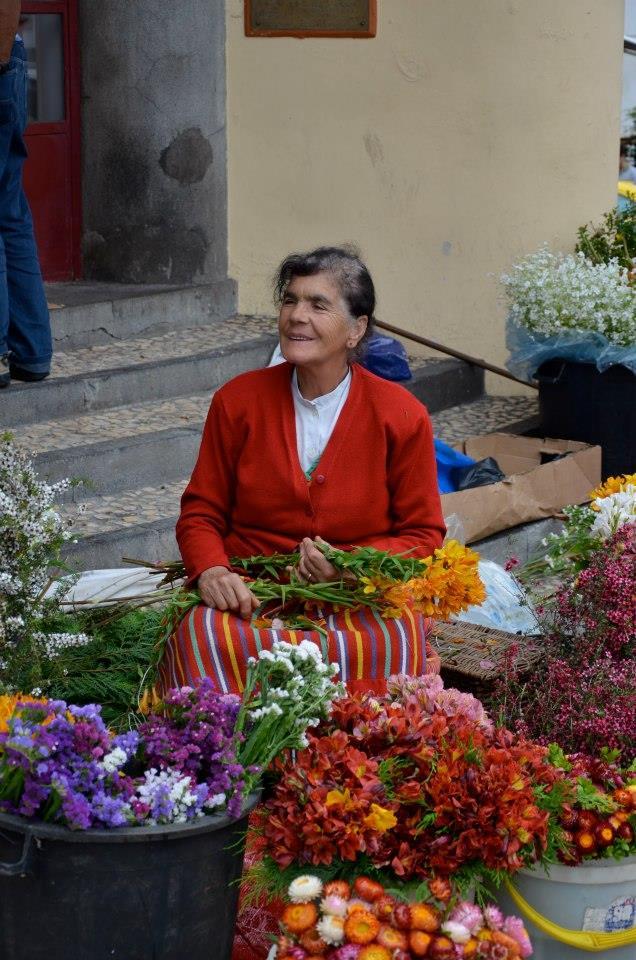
154, 141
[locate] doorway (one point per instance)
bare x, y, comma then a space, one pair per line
52, 171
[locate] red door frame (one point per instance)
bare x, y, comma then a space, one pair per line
71, 125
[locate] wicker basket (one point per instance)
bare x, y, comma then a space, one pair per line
473, 657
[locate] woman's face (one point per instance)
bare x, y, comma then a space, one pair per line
314, 324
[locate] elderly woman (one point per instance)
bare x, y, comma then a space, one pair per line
315, 449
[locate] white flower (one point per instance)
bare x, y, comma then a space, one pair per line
114, 760
334, 906
456, 931
304, 889
217, 800
331, 929
614, 511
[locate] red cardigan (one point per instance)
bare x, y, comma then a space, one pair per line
375, 484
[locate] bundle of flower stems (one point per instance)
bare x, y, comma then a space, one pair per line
440, 585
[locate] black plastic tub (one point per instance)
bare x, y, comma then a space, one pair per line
145, 893
577, 402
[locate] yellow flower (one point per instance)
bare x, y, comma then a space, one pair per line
369, 585
8, 703
336, 797
611, 485
149, 701
380, 819
7, 706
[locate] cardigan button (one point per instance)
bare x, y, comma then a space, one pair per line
320, 478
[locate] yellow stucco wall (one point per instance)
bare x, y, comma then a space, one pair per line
463, 136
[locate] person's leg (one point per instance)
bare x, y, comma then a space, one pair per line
8, 120
29, 333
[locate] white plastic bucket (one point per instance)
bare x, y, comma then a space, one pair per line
599, 897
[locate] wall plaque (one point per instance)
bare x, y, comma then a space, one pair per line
310, 18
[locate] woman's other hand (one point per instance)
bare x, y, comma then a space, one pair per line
313, 565
224, 590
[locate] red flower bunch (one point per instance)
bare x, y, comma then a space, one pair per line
413, 790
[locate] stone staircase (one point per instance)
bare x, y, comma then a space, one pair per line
123, 409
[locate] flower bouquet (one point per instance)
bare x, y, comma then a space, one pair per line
364, 921
410, 788
601, 819
581, 694
440, 585
587, 528
571, 308
199, 751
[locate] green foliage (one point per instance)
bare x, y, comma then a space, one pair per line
361, 562
613, 239
557, 757
566, 553
120, 661
589, 797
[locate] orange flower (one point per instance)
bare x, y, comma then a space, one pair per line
299, 917
150, 701
374, 952
361, 927
424, 917
611, 485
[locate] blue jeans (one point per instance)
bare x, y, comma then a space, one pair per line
25, 328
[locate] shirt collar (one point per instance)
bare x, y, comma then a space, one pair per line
327, 398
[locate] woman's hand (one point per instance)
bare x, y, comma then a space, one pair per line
313, 565
224, 590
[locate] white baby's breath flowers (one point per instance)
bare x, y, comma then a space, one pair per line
32, 534
552, 293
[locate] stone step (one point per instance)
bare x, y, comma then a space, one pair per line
148, 368
140, 523
89, 314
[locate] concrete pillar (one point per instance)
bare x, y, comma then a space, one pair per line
154, 140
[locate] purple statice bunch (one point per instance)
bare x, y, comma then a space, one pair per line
195, 737
60, 763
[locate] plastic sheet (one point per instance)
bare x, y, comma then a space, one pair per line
99, 587
448, 460
479, 474
528, 350
387, 358
506, 606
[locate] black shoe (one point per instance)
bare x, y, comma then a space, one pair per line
17, 373
5, 375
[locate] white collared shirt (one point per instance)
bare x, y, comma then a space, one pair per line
316, 419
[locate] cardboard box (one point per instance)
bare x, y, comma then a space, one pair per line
533, 488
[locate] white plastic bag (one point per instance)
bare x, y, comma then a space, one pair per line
506, 606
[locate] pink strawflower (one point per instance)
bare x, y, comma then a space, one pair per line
351, 951
493, 916
469, 915
514, 927
334, 905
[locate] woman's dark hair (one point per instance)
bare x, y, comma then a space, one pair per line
348, 270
